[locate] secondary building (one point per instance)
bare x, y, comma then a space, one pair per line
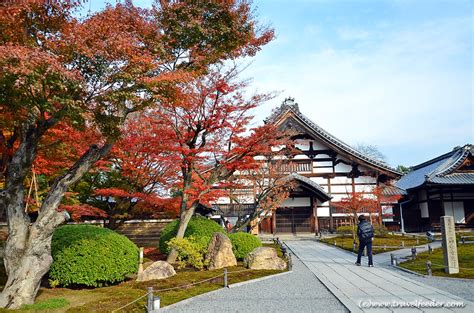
441, 186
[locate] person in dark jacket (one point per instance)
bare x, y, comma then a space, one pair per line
365, 232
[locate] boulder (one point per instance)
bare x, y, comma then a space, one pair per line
264, 258
219, 253
157, 270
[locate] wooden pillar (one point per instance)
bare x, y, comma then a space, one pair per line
441, 198
274, 222
316, 220
331, 221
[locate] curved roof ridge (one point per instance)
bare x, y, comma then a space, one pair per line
453, 162
285, 107
309, 182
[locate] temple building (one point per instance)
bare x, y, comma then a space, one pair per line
441, 186
325, 170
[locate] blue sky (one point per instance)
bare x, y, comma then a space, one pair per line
395, 74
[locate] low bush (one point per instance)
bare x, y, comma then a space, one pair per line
91, 256
200, 228
345, 230
243, 244
191, 252
380, 230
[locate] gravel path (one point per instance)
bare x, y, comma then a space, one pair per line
298, 291
460, 287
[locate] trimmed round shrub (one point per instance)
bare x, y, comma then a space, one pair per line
243, 244
87, 255
345, 230
199, 227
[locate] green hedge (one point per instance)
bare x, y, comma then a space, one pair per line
243, 244
380, 230
87, 255
346, 229
199, 227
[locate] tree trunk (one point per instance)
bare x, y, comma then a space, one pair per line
183, 224
28, 247
26, 268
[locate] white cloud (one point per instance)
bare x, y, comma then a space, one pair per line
398, 87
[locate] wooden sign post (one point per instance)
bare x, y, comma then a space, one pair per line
450, 250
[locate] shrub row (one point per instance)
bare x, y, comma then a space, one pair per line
193, 247
86, 255
379, 230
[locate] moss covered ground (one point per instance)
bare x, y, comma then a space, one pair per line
391, 242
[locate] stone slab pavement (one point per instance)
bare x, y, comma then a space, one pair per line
361, 288
297, 291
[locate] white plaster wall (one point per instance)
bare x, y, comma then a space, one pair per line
337, 197
297, 202
302, 144
245, 199
223, 200
343, 168
322, 163
319, 180
319, 146
455, 209
363, 188
301, 157
365, 180
323, 211
345, 189
424, 210
386, 209
323, 170
341, 180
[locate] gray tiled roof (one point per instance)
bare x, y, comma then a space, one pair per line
290, 105
313, 185
439, 170
454, 179
393, 191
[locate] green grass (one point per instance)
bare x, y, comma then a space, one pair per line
110, 298
106, 299
465, 257
467, 234
346, 242
49, 304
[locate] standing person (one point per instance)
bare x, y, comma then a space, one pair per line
365, 232
228, 225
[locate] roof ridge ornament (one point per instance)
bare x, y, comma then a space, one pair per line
287, 104
290, 103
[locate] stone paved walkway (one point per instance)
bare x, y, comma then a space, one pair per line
355, 285
298, 291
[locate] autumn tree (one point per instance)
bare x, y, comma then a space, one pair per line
207, 124
370, 201
92, 72
136, 180
270, 179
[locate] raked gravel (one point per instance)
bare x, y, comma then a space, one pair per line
299, 291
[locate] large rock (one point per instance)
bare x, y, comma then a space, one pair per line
219, 254
157, 270
264, 258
